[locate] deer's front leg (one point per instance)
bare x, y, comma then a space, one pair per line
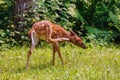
49, 37
56, 45
54, 51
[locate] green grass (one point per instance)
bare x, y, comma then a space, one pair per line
96, 63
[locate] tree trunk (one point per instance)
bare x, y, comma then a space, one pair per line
19, 7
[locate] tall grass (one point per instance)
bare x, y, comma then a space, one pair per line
96, 63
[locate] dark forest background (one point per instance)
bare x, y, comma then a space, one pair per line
96, 21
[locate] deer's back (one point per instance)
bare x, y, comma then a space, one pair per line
40, 29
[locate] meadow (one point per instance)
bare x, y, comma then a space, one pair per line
93, 63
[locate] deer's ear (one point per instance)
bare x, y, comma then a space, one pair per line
72, 33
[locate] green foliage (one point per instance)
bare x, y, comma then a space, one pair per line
104, 16
55, 11
6, 24
107, 15
96, 63
100, 37
87, 18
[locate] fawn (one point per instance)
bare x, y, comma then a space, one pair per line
51, 33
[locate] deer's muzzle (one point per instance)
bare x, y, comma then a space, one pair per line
83, 46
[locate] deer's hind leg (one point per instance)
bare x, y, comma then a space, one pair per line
56, 48
34, 41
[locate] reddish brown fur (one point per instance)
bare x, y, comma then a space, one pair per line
57, 30
53, 34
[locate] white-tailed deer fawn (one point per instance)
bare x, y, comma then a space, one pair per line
51, 33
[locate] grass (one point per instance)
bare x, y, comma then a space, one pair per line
96, 63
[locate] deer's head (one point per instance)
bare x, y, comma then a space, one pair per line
76, 40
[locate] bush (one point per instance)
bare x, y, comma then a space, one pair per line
94, 20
